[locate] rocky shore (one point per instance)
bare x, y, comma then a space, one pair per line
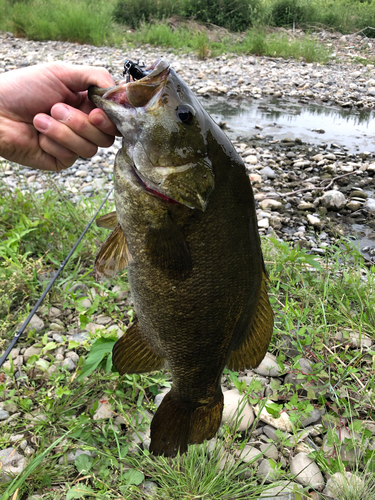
310, 194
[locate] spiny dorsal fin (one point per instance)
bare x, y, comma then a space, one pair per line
255, 343
113, 255
109, 221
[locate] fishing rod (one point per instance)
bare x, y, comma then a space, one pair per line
50, 285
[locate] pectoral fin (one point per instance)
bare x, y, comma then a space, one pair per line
133, 354
109, 221
167, 248
113, 255
256, 337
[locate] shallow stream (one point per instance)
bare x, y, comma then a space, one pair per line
274, 119
353, 129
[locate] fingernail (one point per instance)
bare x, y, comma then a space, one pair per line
42, 123
60, 112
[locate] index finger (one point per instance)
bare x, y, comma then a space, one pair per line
78, 78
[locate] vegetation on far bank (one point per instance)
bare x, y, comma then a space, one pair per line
315, 301
208, 27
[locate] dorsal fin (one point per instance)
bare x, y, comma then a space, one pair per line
113, 255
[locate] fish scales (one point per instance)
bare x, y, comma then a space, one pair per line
189, 235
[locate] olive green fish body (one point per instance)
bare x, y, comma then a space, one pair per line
195, 266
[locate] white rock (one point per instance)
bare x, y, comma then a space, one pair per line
234, 401
333, 199
270, 204
283, 422
268, 366
314, 221
255, 178
104, 410
251, 159
306, 471
31, 351
264, 223
71, 456
248, 454
370, 205
267, 472
36, 324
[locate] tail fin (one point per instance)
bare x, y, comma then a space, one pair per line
177, 424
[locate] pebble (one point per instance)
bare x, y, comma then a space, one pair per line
249, 454
12, 463
283, 422
268, 471
268, 366
306, 471
233, 401
283, 491
333, 199
36, 324
343, 484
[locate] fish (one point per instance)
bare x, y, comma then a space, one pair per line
185, 227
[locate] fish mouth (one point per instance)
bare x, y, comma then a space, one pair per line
134, 94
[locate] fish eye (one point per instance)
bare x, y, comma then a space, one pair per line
185, 114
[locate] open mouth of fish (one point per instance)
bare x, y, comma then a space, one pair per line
131, 95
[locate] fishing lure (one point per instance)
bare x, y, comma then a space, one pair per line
134, 70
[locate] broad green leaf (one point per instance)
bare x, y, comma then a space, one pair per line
83, 463
98, 351
79, 491
133, 476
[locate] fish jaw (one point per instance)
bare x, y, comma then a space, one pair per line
144, 111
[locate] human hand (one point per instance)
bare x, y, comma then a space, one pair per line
28, 95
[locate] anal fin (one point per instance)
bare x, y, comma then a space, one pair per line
133, 354
257, 335
177, 424
113, 255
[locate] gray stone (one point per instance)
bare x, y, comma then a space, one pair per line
269, 450
31, 351
369, 205
268, 172
267, 472
12, 463
3, 414
342, 484
283, 491
36, 324
306, 471
268, 366
80, 337
333, 200
69, 364
249, 454
236, 411
150, 489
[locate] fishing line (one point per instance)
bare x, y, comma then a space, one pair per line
50, 285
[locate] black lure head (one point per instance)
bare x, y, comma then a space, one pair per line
134, 70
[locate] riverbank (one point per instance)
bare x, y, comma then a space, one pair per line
91, 436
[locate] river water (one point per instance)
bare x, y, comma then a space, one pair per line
353, 129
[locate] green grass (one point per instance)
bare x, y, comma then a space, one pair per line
82, 21
206, 44
313, 301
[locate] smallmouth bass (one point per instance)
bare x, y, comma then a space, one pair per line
186, 228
